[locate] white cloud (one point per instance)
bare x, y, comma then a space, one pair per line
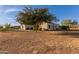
11, 10
9, 18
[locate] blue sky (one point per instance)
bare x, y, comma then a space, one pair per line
8, 12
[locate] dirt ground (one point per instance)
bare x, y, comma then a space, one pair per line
30, 42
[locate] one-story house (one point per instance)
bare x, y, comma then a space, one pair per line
74, 27
43, 26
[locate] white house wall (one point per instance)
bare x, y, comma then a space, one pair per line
43, 26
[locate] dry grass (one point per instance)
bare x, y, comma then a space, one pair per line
57, 42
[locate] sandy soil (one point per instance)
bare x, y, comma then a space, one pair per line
30, 42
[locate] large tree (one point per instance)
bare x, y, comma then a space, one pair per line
35, 17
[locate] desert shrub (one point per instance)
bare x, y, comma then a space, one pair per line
3, 29
64, 27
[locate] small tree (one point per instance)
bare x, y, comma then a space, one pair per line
74, 22
67, 22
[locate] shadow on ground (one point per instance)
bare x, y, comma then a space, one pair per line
74, 34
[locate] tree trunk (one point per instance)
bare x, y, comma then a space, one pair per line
36, 27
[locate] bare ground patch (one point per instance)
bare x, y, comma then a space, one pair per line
39, 42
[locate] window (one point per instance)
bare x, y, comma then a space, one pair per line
48, 26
